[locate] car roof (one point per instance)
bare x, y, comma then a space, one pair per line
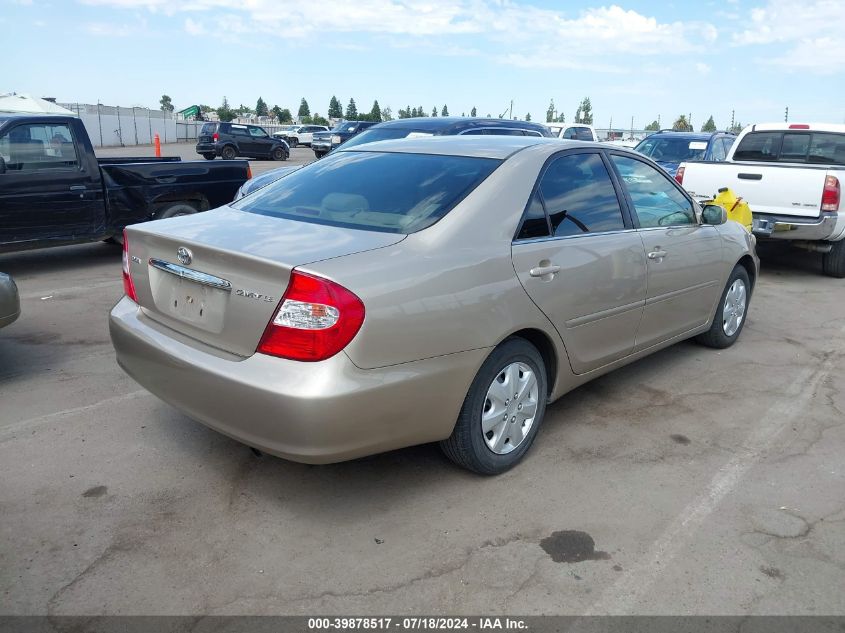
451, 124
6, 116
482, 146
698, 136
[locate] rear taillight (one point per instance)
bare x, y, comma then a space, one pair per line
215, 137
248, 172
316, 319
831, 194
679, 175
799, 126
128, 286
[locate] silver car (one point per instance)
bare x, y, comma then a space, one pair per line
10, 306
427, 290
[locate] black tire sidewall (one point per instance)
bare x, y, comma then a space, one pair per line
174, 210
281, 153
229, 153
512, 350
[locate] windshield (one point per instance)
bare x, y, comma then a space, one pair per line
345, 126
388, 192
671, 150
383, 134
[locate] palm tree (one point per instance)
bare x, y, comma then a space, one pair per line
681, 124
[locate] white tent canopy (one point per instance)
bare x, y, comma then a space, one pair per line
27, 103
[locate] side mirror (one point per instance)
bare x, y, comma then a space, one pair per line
714, 214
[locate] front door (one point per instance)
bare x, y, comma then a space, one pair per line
684, 256
261, 140
46, 191
579, 259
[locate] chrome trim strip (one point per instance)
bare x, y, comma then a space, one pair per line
589, 318
191, 275
650, 301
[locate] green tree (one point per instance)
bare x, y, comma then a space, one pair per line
224, 112
653, 126
550, 113
261, 108
285, 116
681, 124
709, 126
585, 112
304, 110
319, 120
434, 111
166, 103
375, 112
335, 109
420, 111
351, 111
276, 111
444, 111
473, 112
386, 114
205, 109
528, 117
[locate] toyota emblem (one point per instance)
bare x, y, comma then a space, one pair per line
185, 256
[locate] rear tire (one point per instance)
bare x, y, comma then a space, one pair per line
292, 142
833, 262
175, 209
724, 331
229, 153
209, 156
319, 154
279, 154
481, 441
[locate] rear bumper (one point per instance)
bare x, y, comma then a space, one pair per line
320, 146
207, 148
829, 226
309, 412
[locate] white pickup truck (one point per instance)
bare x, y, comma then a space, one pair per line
791, 176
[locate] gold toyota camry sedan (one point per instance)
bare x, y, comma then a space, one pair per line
424, 290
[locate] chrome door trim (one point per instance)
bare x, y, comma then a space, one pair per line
191, 275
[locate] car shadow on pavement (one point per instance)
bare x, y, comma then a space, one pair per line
65, 259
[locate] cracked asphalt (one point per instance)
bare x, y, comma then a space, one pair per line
692, 482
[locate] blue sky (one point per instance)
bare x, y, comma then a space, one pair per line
634, 58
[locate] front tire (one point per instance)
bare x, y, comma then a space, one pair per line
319, 154
292, 142
229, 153
279, 154
731, 312
833, 262
502, 411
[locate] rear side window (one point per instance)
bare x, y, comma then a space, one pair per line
208, 128
579, 196
717, 151
759, 146
387, 192
239, 130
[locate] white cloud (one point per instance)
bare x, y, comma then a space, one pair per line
518, 34
703, 68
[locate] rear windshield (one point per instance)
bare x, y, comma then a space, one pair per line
387, 192
208, 128
671, 150
822, 148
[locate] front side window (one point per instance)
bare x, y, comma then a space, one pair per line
257, 132
387, 192
657, 202
38, 146
579, 196
239, 130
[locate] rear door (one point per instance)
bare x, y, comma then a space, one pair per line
49, 190
579, 259
684, 257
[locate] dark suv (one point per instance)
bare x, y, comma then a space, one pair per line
231, 140
324, 142
669, 149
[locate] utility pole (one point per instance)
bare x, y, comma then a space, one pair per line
689, 122
632, 127
658, 121
786, 115
733, 123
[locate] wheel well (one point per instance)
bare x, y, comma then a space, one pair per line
748, 263
198, 201
544, 345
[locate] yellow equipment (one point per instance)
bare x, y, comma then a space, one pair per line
737, 208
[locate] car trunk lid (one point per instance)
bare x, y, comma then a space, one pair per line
218, 277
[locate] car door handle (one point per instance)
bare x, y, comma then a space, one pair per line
742, 176
543, 271
78, 188
658, 255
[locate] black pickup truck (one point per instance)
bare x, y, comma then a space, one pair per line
54, 190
